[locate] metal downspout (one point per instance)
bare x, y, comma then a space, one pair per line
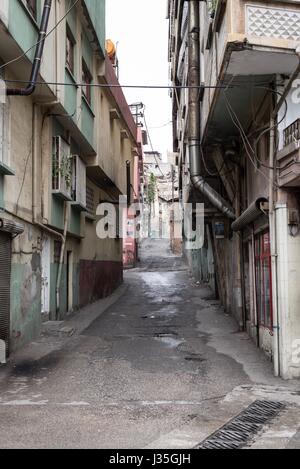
61, 260
38, 55
194, 115
35, 221
273, 242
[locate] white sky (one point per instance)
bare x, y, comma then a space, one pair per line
141, 30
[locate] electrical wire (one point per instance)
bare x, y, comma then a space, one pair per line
26, 161
135, 86
24, 54
161, 126
265, 130
276, 125
150, 141
218, 173
113, 85
244, 138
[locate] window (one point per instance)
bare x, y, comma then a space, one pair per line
70, 52
292, 133
79, 181
87, 81
57, 251
61, 168
32, 7
263, 280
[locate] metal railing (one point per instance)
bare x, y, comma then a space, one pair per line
292, 133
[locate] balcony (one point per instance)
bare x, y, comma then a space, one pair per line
289, 157
246, 44
117, 136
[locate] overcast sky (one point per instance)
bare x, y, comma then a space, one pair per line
141, 30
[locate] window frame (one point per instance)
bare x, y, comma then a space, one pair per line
32, 7
70, 40
86, 89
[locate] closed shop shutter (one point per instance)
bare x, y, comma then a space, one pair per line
5, 271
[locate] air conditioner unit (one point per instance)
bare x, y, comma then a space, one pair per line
79, 183
61, 169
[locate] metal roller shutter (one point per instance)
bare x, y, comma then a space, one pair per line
5, 271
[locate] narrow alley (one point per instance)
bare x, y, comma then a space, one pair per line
158, 365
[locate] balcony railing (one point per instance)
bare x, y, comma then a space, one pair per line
292, 133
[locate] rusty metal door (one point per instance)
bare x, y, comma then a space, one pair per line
5, 272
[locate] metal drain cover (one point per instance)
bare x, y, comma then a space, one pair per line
239, 431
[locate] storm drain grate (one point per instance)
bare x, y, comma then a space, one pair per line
240, 430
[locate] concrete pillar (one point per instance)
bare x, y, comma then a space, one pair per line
288, 281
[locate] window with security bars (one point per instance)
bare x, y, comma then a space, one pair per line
212, 6
292, 133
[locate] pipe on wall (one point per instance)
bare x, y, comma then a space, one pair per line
61, 260
194, 115
35, 221
128, 182
254, 211
273, 244
36, 66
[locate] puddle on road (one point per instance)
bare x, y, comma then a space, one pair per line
158, 278
171, 342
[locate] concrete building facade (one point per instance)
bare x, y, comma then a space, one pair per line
64, 150
243, 59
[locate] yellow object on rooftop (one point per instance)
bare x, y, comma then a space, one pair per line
110, 49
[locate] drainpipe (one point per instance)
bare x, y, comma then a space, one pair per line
194, 115
253, 262
38, 55
273, 244
35, 221
128, 183
61, 260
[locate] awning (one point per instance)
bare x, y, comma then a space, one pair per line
254, 211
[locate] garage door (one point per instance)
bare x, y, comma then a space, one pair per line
5, 269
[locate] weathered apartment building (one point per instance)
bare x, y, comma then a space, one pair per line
236, 129
160, 191
132, 218
66, 146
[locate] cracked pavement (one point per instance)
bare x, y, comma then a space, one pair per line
161, 366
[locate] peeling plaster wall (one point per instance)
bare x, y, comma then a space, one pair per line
96, 265
26, 288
